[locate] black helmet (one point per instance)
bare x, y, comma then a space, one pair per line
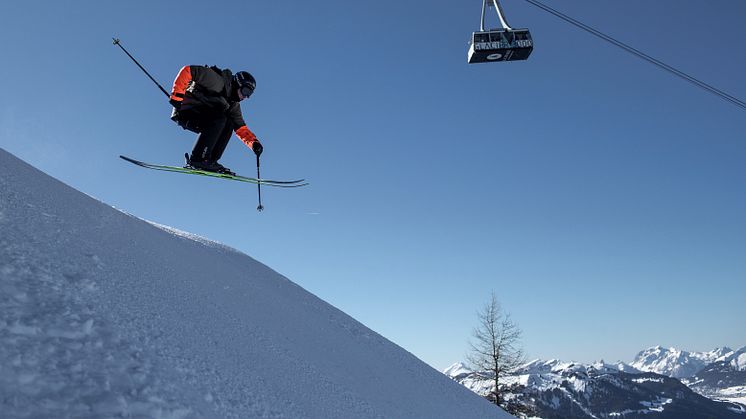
245, 83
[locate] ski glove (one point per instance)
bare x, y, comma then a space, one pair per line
257, 147
175, 103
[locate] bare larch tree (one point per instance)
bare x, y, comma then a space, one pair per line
495, 348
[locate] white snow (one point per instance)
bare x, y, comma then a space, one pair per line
457, 369
739, 362
676, 363
735, 394
658, 404
655, 406
105, 315
647, 380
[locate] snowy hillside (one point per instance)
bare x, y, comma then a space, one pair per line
105, 315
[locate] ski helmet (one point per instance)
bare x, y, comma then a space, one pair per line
245, 83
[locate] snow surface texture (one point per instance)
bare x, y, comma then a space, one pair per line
105, 315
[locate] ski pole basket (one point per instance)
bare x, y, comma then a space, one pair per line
501, 44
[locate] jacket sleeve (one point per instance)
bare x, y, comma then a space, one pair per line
248, 137
242, 131
181, 83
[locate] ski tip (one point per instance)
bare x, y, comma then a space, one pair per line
133, 161
281, 182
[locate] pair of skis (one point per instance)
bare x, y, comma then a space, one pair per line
253, 180
192, 171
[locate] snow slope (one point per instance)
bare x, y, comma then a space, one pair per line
105, 315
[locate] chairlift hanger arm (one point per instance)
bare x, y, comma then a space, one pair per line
498, 10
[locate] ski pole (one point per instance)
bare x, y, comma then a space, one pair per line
117, 43
259, 185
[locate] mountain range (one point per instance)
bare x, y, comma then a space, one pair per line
658, 383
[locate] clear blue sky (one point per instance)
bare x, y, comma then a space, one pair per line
600, 197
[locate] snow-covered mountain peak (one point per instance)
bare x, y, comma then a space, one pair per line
456, 370
739, 362
736, 359
615, 367
715, 355
676, 363
540, 366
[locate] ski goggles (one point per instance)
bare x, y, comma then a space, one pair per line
246, 91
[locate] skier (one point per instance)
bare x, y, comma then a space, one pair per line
206, 101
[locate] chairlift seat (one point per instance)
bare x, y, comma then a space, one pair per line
500, 45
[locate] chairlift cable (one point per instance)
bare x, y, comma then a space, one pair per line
640, 54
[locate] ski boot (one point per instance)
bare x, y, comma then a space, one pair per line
207, 166
222, 169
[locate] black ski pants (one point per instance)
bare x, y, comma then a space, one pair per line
215, 132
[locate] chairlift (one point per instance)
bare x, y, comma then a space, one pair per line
500, 44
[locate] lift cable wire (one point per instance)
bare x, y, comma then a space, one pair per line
641, 54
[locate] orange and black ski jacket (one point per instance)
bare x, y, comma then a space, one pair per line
199, 87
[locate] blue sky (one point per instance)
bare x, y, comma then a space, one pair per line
600, 197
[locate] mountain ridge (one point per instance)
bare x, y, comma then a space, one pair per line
558, 389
